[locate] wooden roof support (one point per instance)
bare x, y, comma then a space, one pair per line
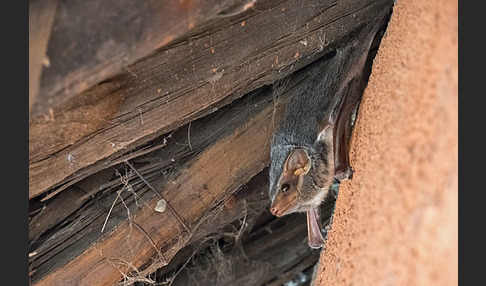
219, 62
165, 114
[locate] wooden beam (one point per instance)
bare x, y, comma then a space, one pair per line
238, 216
218, 63
211, 177
93, 40
268, 253
256, 263
41, 18
82, 208
205, 182
209, 166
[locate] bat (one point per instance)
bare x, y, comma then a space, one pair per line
310, 146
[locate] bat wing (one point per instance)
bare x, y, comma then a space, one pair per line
315, 239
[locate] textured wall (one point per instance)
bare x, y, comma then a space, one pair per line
396, 221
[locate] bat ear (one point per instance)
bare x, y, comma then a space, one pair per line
298, 162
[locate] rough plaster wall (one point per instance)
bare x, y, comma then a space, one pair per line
396, 221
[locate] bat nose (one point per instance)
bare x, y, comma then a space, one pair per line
274, 211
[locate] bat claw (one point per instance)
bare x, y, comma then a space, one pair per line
316, 246
343, 173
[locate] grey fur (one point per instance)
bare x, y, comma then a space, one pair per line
310, 106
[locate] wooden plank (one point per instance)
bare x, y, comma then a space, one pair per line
67, 203
52, 252
261, 260
92, 40
199, 187
41, 18
246, 206
194, 190
271, 254
57, 246
183, 83
218, 187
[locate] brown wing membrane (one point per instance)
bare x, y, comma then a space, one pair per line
342, 128
314, 228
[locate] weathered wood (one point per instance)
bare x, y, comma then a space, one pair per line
197, 168
270, 254
173, 152
106, 260
193, 190
242, 210
301, 274
41, 17
219, 62
92, 40
256, 262
170, 153
204, 183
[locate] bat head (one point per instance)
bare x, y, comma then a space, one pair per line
300, 176
289, 187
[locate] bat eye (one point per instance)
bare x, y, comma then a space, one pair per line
285, 187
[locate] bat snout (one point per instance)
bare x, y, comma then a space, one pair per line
275, 211
282, 206
280, 211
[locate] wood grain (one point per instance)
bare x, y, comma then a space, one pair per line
41, 18
195, 118
93, 40
219, 63
207, 180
